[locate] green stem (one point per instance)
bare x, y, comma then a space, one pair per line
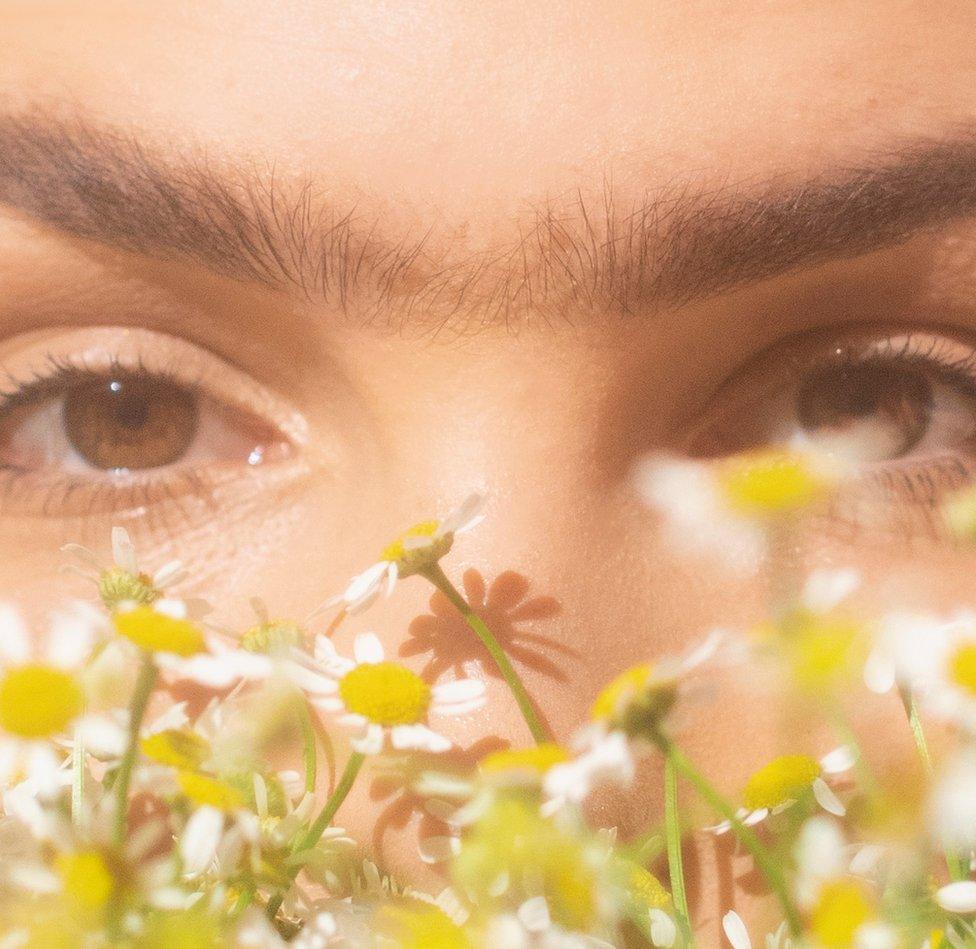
954, 862
845, 734
764, 861
137, 711
675, 862
321, 822
439, 579
309, 753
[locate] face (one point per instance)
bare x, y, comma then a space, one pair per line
280, 279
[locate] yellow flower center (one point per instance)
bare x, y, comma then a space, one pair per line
38, 701
536, 856
274, 637
192, 929
644, 888
88, 883
840, 911
178, 748
783, 779
422, 927
823, 648
117, 586
962, 667
538, 759
211, 792
960, 514
770, 482
397, 550
636, 700
385, 693
157, 632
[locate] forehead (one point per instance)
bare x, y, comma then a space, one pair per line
473, 109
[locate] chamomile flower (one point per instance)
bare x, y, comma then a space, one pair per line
41, 696
123, 580
724, 508
788, 779
380, 700
417, 548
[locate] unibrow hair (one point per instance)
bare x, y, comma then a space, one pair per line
666, 246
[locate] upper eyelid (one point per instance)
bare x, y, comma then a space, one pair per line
100, 350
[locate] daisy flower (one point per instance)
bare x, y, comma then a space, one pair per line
778, 785
724, 507
416, 548
123, 580
934, 659
41, 696
381, 700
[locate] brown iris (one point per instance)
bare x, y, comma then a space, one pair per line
130, 423
895, 402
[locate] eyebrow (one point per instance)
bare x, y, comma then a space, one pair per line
670, 245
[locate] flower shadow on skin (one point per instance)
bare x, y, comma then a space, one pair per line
505, 606
402, 802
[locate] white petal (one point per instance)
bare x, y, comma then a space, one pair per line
839, 760
102, 736
218, 671
461, 690
368, 648
71, 638
176, 609
879, 672
86, 556
959, 897
419, 738
533, 914
15, 643
200, 840
169, 573
123, 552
735, 930
825, 589
465, 516
827, 799
663, 928
364, 588
370, 743
439, 849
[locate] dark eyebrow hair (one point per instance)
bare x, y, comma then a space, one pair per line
668, 246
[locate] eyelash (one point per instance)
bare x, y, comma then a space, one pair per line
68, 495
63, 371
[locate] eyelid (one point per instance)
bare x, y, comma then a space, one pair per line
30, 358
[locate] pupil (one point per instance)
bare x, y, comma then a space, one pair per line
130, 423
887, 408
131, 411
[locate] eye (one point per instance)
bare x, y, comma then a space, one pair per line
111, 430
901, 407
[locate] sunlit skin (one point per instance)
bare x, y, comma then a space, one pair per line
464, 123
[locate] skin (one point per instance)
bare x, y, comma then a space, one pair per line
457, 118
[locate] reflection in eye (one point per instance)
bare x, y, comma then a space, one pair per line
115, 437
901, 407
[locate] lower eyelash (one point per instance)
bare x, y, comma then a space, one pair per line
902, 501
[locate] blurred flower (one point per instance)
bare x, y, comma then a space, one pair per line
724, 507
41, 696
